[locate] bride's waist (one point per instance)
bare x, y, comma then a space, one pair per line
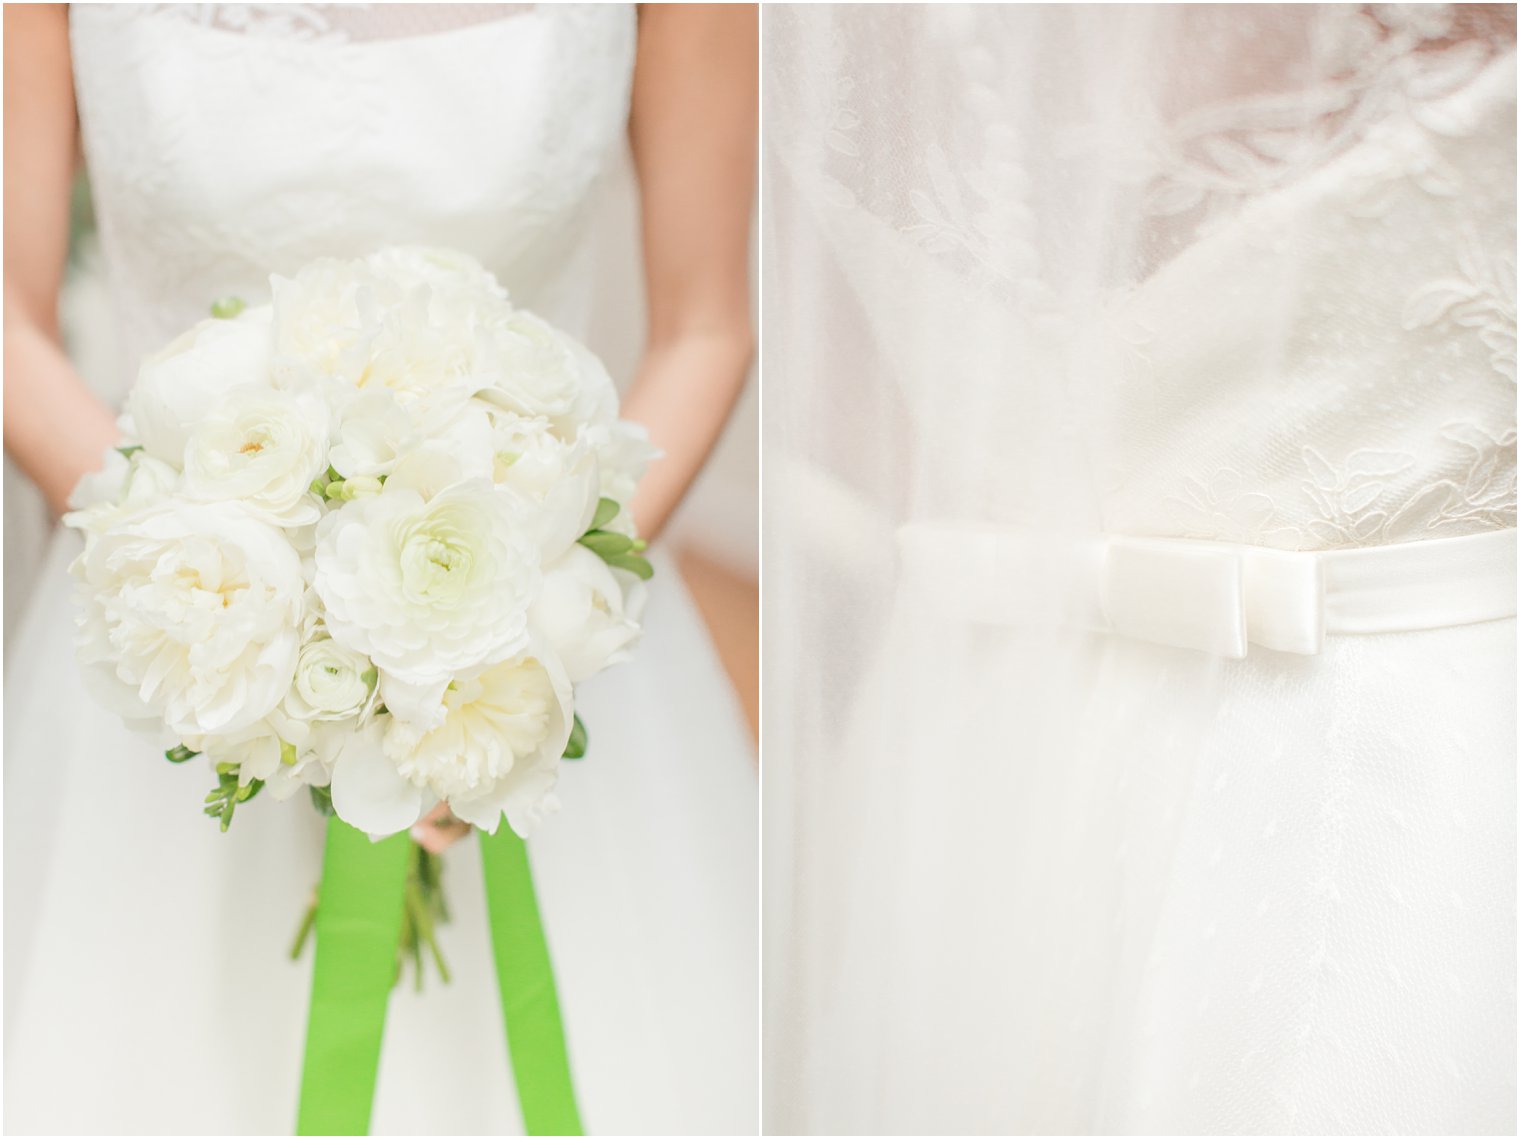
1216, 597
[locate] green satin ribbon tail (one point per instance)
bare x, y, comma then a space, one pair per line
358, 923
535, 1031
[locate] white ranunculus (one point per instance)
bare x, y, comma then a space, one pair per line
428, 587
561, 479
498, 746
260, 447
179, 386
331, 682
588, 613
190, 615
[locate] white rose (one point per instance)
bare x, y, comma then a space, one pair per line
495, 751
588, 613
331, 682
263, 448
191, 615
178, 386
428, 587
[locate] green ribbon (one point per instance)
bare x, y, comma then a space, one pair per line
358, 924
535, 1032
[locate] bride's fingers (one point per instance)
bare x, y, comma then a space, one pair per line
439, 830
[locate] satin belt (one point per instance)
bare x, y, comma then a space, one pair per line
1215, 597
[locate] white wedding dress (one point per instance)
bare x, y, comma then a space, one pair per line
1139, 416
147, 985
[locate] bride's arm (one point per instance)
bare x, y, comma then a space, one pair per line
693, 131
54, 427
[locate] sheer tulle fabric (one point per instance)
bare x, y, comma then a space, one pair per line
1060, 274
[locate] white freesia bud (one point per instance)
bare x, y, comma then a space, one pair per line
588, 614
190, 615
178, 386
428, 587
263, 448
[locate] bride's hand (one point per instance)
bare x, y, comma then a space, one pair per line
439, 830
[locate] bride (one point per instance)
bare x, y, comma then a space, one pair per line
147, 986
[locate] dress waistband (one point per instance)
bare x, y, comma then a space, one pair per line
1216, 597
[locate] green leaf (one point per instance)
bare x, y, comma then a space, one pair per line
634, 564
321, 799
606, 510
179, 754
606, 544
575, 747
128, 452
226, 308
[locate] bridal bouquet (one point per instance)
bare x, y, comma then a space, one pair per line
366, 539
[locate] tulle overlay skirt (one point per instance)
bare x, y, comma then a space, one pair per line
148, 987
1102, 886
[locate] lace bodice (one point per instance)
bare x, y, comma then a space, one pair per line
226, 142
1182, 271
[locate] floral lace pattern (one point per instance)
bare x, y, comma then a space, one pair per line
227, 142
336, 23
1262, 258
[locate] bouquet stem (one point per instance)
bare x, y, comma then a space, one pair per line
424, 908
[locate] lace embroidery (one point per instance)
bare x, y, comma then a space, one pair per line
336, 23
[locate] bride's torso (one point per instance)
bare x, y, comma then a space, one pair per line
228, 142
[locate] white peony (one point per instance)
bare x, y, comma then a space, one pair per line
538, 368
446, 271
124, 486
560, 478
190, 616
177, 387
427, 587
262, 448
324, 319
372, 432
588, 613
495, 751
623, 452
